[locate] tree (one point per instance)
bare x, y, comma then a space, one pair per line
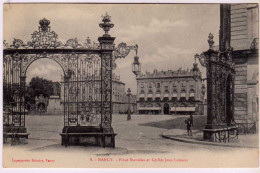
38, 86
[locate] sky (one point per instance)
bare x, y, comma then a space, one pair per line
168, 35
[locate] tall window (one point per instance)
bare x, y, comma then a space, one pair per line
166, 99
174, 95
183, 95
141, 88
141, 99
150, 85
158, 85
157, 99
192, 95
166, 89
149, 99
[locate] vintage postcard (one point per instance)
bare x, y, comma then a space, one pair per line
130, 85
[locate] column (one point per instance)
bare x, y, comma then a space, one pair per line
107, 47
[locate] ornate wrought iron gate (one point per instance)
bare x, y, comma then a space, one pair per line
220, 85
220, 92
86, 86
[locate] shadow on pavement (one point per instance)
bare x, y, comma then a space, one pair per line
199, 122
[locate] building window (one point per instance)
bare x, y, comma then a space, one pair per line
183, 95
149, 99
182, 99
158, 85
166, 99
141, 99
141, 86
157, 99
192, 95
191, 99
150, 85
174, 95
174, 99
166, 89
174, 85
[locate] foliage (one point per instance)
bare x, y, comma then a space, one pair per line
40, 86
37, 86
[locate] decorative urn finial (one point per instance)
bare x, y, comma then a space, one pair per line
44, 24
210, 40
106, 25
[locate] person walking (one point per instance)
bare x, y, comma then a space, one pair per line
191, 118
188, 123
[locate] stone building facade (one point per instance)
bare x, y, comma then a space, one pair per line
170, 92
119, 97
244, 28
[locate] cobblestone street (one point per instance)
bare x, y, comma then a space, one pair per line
133, 140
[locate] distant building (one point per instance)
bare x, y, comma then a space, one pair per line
119, 97
54, 106
170, 92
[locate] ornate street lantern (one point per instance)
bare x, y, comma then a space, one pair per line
136, 66
122, 51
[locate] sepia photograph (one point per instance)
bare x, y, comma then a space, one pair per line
98, 85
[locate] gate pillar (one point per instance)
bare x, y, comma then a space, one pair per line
220, 93
106, 53
107, 47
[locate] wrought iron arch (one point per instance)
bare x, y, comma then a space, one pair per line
34, 58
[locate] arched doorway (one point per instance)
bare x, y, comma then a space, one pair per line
229, 97
166, 109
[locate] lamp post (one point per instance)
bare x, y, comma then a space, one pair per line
121, 52
129, 110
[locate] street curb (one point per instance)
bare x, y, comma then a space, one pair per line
203, 143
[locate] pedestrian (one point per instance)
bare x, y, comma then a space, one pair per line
188, 123
191, 119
